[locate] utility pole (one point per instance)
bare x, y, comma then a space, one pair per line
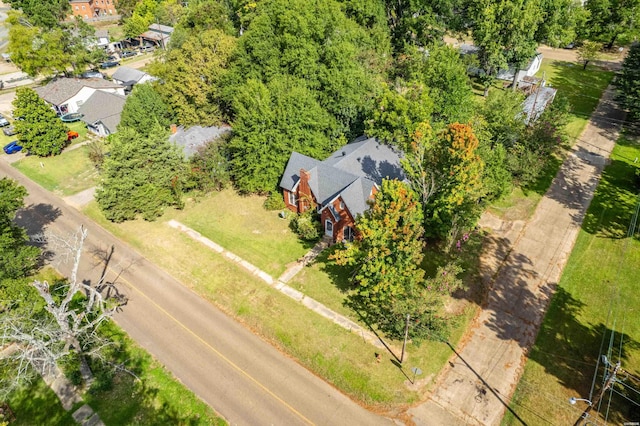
607, 385
406, 334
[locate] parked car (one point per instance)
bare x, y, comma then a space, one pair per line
9, 131
147, 48
12, 147
3, 121
109, 64
92, 74
72, 135
127, 53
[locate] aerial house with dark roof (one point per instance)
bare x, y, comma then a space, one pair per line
341, 186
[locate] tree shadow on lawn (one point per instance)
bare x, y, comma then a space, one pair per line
582, 88
570, 350
35, 218
340, 275
614, 203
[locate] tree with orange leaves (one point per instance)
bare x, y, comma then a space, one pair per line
446, 170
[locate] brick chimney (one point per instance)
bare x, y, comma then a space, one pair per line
174, 129
304, 191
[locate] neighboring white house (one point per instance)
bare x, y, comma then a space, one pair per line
67, 95
101, 112
529, 70
129, 77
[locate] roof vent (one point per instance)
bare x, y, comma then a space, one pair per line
344, 153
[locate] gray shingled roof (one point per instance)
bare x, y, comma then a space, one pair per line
103, 107
368, 158
128, 75
291, 174
350, 172
194, 137
356, 195
327, 182
62, 89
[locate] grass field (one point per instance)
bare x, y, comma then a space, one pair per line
593, 311
64, 174
241, 225
337, 355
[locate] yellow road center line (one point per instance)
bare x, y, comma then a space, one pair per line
214, 350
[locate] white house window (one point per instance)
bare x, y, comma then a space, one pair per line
79, 103
341, 205
83, 7
77, 7
293, 200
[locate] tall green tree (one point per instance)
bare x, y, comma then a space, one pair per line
144, 14
141, 176
387, 281
17, 259
561, 22
398, 112
271, 121
144, 109
317, 43
36, 50
613, 20
441, 69
504, 30
628, 83
192, 76
45, 14
446, 170
41, 132
387, 255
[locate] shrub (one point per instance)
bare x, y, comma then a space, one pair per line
70, 366
274, 202
307, 226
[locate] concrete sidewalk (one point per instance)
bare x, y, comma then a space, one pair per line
521, 268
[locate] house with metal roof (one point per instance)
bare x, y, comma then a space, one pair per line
158, 35
101, 112
341, 186
193, 138
66, 95
129, 77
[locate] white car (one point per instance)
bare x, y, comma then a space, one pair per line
3, 121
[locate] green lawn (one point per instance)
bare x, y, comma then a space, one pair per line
242, 226
339, 356
64, 174
583, 89
597, 297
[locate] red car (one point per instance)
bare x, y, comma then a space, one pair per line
72, 135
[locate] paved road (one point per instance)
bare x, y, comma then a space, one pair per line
476, 387
239, 375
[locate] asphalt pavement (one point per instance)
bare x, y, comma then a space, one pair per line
242, 377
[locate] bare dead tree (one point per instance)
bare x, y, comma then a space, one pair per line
27, 347
76, 311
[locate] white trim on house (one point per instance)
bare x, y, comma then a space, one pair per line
328, 228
